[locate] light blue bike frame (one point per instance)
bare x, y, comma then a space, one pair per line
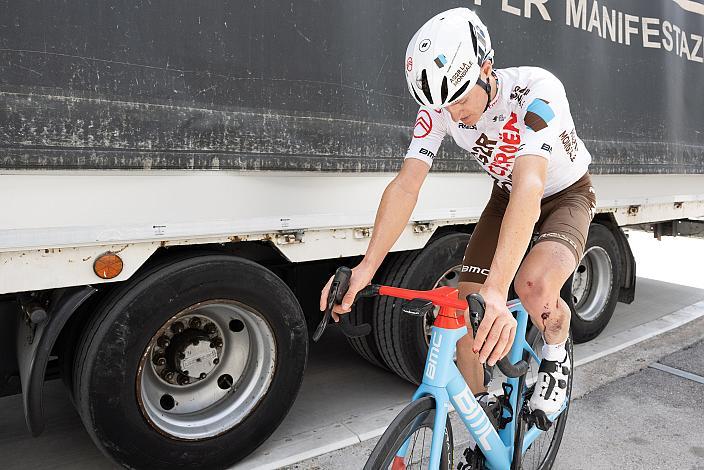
443, 381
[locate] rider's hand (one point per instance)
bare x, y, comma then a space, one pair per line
361, 277
497, 330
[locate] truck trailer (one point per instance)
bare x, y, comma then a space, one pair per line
179, 180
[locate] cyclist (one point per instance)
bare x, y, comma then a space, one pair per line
516, 124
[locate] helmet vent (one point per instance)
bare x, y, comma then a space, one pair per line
443, 89
425, 87
474, 39
420, 101
459, 92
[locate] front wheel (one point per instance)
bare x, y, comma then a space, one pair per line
415, 422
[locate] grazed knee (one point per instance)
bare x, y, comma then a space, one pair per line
541, 304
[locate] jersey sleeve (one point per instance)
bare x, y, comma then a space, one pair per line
428, 132
540, 116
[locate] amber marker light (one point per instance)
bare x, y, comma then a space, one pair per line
108, 265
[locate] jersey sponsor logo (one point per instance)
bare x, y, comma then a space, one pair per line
506, 154
538, 114
546, 147
499, 118
460, 73
483, 149
569, 142
424, 124
519, 94
426, 152
409, 64
465, 126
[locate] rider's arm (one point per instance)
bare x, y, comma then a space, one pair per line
397, 204
522, 213
498, 328
401, 194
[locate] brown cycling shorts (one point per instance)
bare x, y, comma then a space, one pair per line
564, 218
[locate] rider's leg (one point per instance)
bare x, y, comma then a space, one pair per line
538, 282
563, 226
468, 360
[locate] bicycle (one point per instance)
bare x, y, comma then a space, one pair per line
507, 433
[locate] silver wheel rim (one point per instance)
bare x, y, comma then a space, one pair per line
591, 283
451, 278
209, 376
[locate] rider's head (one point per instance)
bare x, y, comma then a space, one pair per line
448, 62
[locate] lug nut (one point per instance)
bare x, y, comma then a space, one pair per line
202, 376
177, 327
195, 322
159, 360
163, 342
216, 342
182, 379
210, 329
168, 376
180, 356
216, 361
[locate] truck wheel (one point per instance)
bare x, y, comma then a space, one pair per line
403, 339
364, 311
192, 363
595, 284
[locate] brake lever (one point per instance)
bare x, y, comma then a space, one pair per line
338, 289
477, 306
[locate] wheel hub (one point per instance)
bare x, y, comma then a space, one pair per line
183, 356
591, 283
206, 369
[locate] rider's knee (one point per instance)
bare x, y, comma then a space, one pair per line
541, 302
534, 293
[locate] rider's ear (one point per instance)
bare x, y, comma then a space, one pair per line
486, 68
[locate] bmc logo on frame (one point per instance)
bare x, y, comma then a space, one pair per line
472, 414
433, 356
475, 270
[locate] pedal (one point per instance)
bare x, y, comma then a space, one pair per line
474, 460
539, 418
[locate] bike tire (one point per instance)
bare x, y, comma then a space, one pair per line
544, 456
419, 413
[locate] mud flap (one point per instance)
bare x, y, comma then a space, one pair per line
34, 345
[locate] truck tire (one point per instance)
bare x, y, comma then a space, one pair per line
594, 286
192, 363
364, 311
403, 339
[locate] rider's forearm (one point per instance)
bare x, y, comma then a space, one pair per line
521, 215
392, 217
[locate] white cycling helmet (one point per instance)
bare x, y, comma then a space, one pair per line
444, 57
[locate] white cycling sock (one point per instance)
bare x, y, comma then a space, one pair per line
554, 352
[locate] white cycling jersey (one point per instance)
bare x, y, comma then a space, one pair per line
529, 115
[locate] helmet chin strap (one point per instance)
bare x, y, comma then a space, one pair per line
487, 88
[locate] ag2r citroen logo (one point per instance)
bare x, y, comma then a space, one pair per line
424, 124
